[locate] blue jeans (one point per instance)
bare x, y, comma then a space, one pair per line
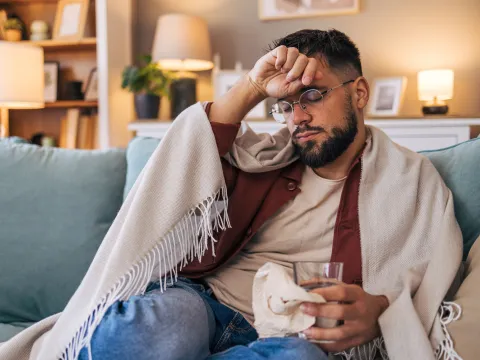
186, 322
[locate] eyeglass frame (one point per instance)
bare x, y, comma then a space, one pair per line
322, 94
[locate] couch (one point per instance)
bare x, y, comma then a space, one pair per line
57, 205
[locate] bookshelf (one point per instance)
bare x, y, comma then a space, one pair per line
76, 59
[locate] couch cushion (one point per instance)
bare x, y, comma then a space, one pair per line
459, 167
55, 208
7, 331
465, 332
138, 152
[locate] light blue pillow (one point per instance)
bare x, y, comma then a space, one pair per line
459, 166
55, 208
138, 152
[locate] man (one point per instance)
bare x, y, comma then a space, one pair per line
307, 211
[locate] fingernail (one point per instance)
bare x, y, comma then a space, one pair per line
307, 332
307, 80
304, 307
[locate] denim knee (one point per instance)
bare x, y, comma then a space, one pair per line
172, 325
273, 349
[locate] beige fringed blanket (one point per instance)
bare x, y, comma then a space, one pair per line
411, 243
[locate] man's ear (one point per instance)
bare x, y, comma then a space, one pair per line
362, 92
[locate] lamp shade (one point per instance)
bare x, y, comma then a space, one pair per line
435, 84
182, 43
21, 76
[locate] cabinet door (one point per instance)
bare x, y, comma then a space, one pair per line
431, 138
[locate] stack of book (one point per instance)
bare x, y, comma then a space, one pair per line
78, 130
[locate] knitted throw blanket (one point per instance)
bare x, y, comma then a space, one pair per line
411, 243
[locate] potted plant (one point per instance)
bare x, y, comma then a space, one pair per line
13, 29
148, 82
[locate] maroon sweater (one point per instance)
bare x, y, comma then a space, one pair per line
253, 198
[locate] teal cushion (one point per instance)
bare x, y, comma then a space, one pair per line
138, 152
56, 207
459, 166
7, 331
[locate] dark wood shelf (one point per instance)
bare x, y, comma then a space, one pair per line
66, 104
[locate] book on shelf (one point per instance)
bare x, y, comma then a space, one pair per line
77, 131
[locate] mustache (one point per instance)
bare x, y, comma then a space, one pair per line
303, 129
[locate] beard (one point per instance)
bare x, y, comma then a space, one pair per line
317, 155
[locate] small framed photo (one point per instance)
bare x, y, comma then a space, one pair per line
288, 9
223, 80
70, 19
387, 96
91, 88
51, 71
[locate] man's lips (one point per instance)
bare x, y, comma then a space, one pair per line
306, 135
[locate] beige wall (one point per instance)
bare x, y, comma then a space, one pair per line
395, 37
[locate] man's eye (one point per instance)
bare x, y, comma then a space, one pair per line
312, 96
285, 107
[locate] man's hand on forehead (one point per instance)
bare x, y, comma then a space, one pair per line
284, 71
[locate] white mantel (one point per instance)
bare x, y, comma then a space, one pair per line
416, 134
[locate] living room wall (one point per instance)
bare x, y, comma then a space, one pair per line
396, 38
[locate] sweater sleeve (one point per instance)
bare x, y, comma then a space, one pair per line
225, 135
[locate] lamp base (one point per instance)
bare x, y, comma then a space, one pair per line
183, 93
435, 109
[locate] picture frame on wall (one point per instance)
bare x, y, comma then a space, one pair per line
290, 9
51, 73
91, 88
70, 19
387, 96
223, 80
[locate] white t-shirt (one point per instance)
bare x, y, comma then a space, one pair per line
302, 230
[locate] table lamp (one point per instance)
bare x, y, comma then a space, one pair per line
21, 80
182, 44
434, 87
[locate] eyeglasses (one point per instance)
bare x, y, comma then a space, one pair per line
282, 110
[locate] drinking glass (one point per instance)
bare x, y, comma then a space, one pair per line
314, 275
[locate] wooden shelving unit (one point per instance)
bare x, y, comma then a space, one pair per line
65, 45
76, 59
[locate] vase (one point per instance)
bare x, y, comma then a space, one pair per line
147, 106
13, 35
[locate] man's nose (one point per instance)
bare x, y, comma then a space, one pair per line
300, 116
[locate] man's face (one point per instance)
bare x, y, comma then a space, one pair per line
324, 134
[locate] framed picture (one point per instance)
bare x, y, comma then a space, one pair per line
223, 80
51, 71
70, 19
387, 96
288, 9
91, 88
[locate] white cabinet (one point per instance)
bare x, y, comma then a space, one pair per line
415, 134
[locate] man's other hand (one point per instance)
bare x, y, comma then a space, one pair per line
359, 311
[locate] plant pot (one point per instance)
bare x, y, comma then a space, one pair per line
147, 106
13, 35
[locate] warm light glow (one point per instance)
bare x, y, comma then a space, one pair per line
187, 64
21, 76
435, 85
182, 43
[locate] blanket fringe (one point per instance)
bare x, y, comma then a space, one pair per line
192, 234
373, 350
448, 313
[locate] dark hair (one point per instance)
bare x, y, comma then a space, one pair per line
334, 48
